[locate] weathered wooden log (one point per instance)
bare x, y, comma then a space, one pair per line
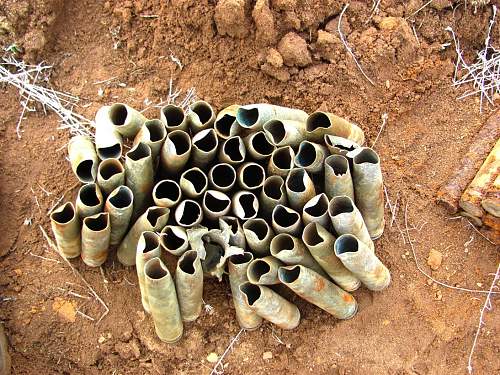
491, 201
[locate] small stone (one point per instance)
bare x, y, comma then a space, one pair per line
429, 282
266, 32
480, 285
441, 4
66, 310
128, 350
434, 260
212, 357
281, 74
267, 355
274, 58
101, 339
438, 296
294, 50
230, 18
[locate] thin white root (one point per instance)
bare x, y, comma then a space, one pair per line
218, 369
384, 118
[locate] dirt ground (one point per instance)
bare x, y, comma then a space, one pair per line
414, 327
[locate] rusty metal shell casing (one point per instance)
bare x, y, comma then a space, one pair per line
222, 177
215, 204
258, 234
125, 119
119, 206
237, 266
232, 151
281, 162
316, 211
320, 123
174, 118
291, 251
299, 188
166, 193
110, 175
201, 116
108, 142
5, 360
96, 232
154, 219
139, 176
152, 133
189, 285
285, 132
89, 200
286, 220
264, 271
369, 189
319, 291
254, 116
491, 200
311, 157
362, 262
193, 183
163, 302
175, 151
346, 219
245, 205
338, 145
188, 213
83, 158
236, 233
174, 240
258, 146
225, 124
66, 228
320, 244
250, 176
270, 305
148, 248
273, 193
204, 148
338, 180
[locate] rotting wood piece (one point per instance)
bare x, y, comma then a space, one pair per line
450, 194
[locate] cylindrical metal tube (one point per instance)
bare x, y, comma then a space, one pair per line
188, 213
166, 193
299, 188
163, 301
222, 177
189, 285
238, 265
281, 161
264, 271
316, 211
291, 251
311, 157
5, 361
193, 182
83, 158
285, 132
232, 151
270, 305
125, 119
338, 179
154, 219
251, 176
110, 175
148, 248
346, 219
89, 200
320, 123
320, 244
362, 262
96, 233
254, 116
205, 145
236, 234
215, 204
258, 146
225, 124
174, 240
108, 141
174, 118
119, 206
273, 193
338, 145
258, 234
66, 228
201, 116
139, 176
369, 189
245, 205
175, 151
286, 220
319, 291
152, 133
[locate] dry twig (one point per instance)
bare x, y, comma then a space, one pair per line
384, 118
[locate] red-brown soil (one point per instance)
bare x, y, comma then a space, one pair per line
414, 327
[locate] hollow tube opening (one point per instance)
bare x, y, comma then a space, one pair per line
84, 170
261, 144
283, 241
319, 208
180, 140
258, 268
306, 155
339, 205
251, 291
122, 198
273, 187
207, 142
232, 149
367, 155
246, 202
247, 117
241, 258
140, 151
109, 168
317, 120
88, 195
197, 178
282, 158
259, 227
154, 214
223, 175
295, 181
346, 244
215, 204
186, 264
168, 189
311, 235
338, 163
276, 129
253, 175
109, 152
171, 241
285, 218
174, 115
156, 129
224, 124
154, 269
65, 215
203, 110
97, 223
289, 275
151, 241
118, 114
190, 214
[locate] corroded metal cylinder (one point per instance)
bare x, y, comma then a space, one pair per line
174, 240
125, 119
319, 291
83, 158
163, 301
258, 146
338, 179
166, 193
139, 176
232, 151
201, 116
320, 244
316, 211
189, 285
110, 175
281, 161
362, 262
245, 205
174, 118
250, 176
299, 188
215, 204
193, 183
66, 228
148, 248
205, 145
96, 232
264, 271
89, 200
154, 219
222, 177
311, 157
188, 213
237, 266
270, 305
285, 132
273, 193
258, 234
175, 151
254, 116
225, 124
338, 145
369, 189
286, 220
5, 361
108, 141
119, 206
152, 133
236, 233
320, 123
